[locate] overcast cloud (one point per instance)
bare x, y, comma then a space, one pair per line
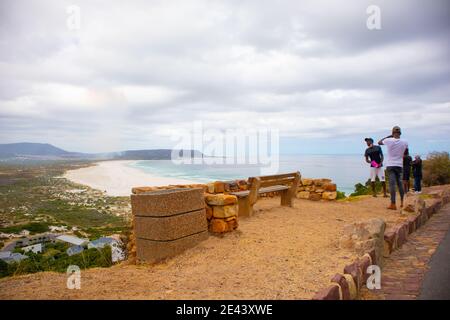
137, 70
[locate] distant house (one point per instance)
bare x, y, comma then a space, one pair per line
72, 240
117, 253
101, 242
10, 257
74, 250
39, 238
5, 254
36, 248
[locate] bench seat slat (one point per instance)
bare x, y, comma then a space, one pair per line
245, 193
277, 182
278, 176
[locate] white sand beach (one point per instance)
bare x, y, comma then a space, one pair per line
117, 177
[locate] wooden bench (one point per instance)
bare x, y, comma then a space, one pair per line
286, 184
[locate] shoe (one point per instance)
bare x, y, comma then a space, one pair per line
385, 196
392, 207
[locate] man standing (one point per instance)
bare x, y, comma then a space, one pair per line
417, 173
394, 163
374, 156
407, 160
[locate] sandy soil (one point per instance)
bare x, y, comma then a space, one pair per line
117, 177
279, 253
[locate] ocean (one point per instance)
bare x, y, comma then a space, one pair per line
344, 170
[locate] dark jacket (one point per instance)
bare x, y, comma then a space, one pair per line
417, 168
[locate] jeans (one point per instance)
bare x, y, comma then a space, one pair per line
417, 184
395, 178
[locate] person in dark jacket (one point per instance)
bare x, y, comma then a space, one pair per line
417, 173
407, 160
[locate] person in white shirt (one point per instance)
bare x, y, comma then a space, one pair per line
394, 163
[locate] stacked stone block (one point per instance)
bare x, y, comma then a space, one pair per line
221, 212
167, 222
317, 189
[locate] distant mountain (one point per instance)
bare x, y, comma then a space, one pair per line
31, 149
154, 154
47, 151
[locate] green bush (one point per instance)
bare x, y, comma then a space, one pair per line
364, 189
436, 169
340, 195
33, 227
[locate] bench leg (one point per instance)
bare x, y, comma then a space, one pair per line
245, 208
286, 198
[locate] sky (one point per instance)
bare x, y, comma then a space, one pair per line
134, 74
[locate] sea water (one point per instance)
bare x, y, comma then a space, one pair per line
344, 170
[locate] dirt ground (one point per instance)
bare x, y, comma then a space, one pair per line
279, 253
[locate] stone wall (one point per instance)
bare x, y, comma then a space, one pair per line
359, 236
317, 189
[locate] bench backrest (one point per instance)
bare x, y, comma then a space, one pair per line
289, 179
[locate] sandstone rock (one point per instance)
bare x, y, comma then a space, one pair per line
319, 190
219, 187
411, 224
232, 224
373, 256
314, 196
364, 237
329, 187
402, 233
351, 286
355, 271
389, 242
342, 282
234, 186
330, 293
363, 264
218, 226
321, 182
210, 187
137, 190
243, 185
209, 212
307, 182
225, 211
303, 195
220, 199
327, 195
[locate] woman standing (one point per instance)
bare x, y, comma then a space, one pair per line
417, 173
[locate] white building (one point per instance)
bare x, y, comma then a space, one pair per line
36, 248
72, 240
10, 257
